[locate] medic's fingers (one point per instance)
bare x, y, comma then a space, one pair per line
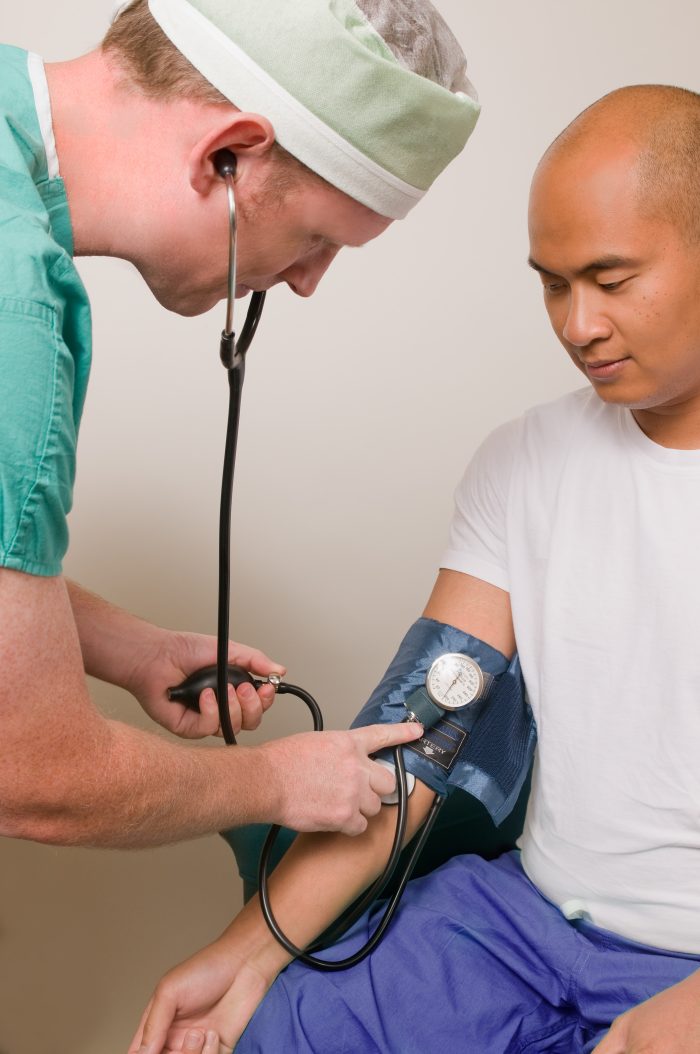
254, 660
209, 709
267, 695
371, 802
209, 713
354, 827
378, 737
251, 706
382, 781
246, 707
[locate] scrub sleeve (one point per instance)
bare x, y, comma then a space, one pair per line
45, 328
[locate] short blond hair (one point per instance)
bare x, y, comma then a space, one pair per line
151, 63
153, 66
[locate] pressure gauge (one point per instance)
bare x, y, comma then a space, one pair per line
454, 681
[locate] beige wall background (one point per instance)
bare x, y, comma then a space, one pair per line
362, 407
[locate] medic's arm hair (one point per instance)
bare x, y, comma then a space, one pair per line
322, 874
69, 776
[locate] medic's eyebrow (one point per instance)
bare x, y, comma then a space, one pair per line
604, 263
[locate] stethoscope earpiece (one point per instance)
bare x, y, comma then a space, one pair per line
226, 163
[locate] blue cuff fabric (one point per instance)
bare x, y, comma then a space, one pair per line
495, 757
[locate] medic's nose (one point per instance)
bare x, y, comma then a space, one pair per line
303, 277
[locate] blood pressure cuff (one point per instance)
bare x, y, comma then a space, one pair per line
485, 748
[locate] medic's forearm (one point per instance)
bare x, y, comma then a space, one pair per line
318, 878
118, 787
113, 642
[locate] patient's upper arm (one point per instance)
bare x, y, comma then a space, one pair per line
475, 607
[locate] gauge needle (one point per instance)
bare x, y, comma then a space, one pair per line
452, 685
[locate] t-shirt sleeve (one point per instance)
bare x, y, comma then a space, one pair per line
37, 437
477, 538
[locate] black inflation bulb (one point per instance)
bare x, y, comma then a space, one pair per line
189, 691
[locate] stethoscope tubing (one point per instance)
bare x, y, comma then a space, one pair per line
233, 355
364, 901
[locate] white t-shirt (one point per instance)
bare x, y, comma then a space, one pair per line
594, 530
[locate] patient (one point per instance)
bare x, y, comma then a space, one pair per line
575, 539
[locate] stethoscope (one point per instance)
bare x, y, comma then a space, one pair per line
233, 356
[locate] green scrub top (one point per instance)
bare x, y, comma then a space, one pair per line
45, 328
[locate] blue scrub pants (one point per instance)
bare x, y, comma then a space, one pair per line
477, 961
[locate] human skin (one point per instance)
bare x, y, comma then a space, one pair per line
169, 217
620, 287
69, 776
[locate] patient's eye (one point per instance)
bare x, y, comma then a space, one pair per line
613, 279
550, 284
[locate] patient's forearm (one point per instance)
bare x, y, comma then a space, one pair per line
319, 877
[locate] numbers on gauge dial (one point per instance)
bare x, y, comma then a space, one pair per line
454, 681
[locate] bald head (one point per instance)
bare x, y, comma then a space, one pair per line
657, 128
615, 236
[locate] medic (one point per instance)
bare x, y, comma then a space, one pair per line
180, 81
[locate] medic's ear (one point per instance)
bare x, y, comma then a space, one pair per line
239, 135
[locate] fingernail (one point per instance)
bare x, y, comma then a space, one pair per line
211, 1044
246, 691
193, 1040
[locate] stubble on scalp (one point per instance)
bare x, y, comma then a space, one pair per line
662, 123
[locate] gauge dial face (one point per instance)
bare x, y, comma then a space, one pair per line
454, 681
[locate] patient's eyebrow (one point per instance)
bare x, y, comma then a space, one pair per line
608, 262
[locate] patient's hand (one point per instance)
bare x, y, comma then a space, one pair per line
668, 1023
203, 1005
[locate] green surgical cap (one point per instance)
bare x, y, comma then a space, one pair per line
337, 97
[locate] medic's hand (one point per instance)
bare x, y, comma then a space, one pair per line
202, 1006
169, 657
325, 781
668, 1023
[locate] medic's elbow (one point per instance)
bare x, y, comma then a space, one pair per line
33, 825
44, 818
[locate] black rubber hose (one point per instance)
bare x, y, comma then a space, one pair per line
345, 964
233, 353
236, 376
